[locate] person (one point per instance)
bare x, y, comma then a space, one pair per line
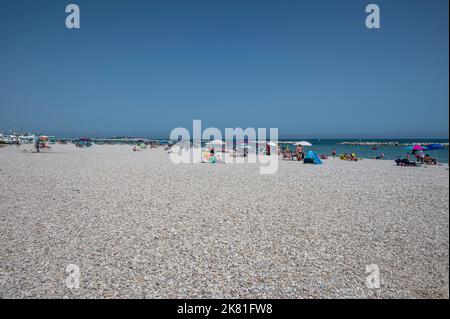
405, 162
37, 145
421, 156
333, 153
211, 152
285, 153
268, 149
288, 153
299, 153
429, 160
416, 155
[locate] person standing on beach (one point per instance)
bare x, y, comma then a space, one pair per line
333, 153
299, 152
37, 145
267, 149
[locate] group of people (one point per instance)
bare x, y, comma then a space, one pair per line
349, 157
298, 155
423, 158
419, 158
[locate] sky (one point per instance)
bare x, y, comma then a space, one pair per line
142, 68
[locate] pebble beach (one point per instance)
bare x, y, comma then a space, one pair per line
139, 226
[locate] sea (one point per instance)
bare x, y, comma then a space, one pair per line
325, 146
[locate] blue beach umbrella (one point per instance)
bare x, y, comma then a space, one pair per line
433, 147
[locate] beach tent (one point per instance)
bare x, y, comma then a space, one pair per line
312, 158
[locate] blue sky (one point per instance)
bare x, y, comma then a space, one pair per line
142, 68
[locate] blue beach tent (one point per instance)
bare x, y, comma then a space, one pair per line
312, 158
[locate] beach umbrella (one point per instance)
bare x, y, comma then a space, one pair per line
270, 143
415, 147
216, 142
257, 143
433, 147
303, 143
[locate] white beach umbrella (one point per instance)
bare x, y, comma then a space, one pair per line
270, 143
258, 142
216, 142
303, 143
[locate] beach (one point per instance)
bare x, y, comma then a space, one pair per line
139, 226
